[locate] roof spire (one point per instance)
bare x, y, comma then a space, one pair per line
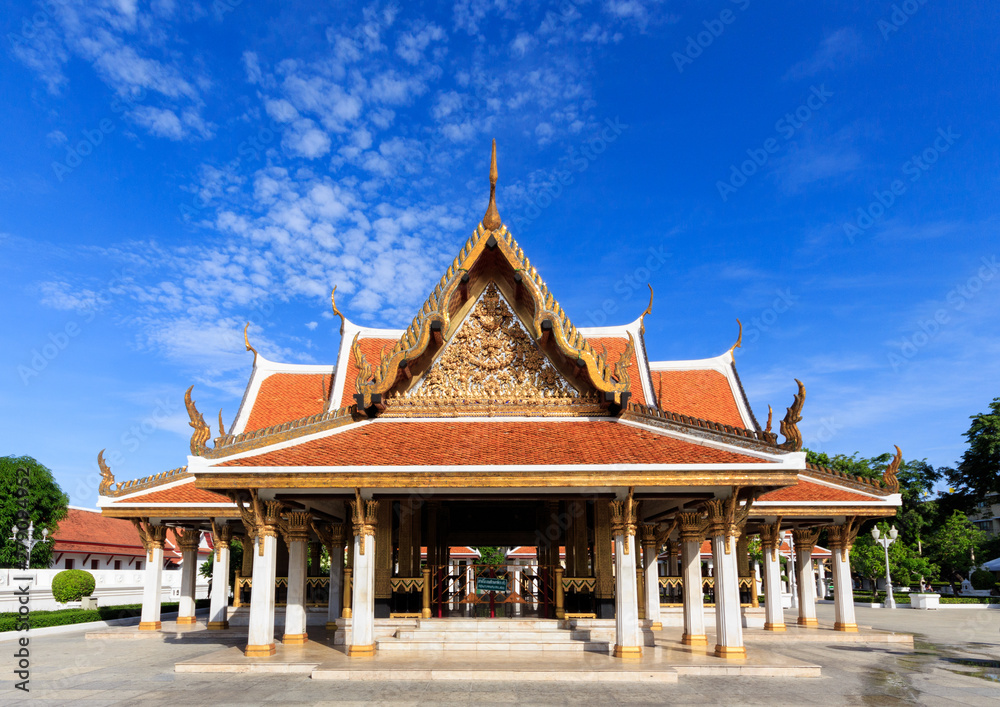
491, 221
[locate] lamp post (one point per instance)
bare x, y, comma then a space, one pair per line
885, 542
29, 540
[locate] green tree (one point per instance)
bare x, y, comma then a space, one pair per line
955, 545
28, 493
868, 560
492, 555
978, 473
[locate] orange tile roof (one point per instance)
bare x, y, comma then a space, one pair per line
372, 349
700, 393
185, 493
808, 491
487, 443
287, 396
90, 532
615, 346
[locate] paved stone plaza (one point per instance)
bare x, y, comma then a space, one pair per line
956, 660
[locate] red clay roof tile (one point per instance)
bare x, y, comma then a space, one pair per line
287, 396
700, 393
808, 491
489, 443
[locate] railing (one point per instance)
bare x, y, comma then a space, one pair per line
317, 591
490, 589
674, 586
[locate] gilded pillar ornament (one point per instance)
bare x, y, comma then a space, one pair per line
842, 537
260, 518
770, 538
623, 518
726, 517
222, 535
187, 538
364, 516
151, 536
805, 538
295, 526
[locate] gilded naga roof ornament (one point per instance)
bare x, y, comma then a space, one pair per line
333, 303
107, 478
246, 340
202, 431
889, 480
769, 436
793, 416
491, 221
649, 310
222, 428
739, 338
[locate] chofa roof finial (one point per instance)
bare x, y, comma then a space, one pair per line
491, 221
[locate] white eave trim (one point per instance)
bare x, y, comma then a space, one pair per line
457, 469
106, 501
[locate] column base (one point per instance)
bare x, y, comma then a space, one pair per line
734, 652
346, 614
808, 622
849, 628
425, 613
260, 651
218, 625
628, 651
361, 650
656, 626
774, 627
331, 626
294, 639
185, 620
150, 626
694, 640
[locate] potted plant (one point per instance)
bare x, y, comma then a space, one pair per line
74, 585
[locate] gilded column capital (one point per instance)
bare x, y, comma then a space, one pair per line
770, 538
842, 537
649, 533
805, 538
221, 536
295, 526
623, 518
364, 516
188, 539
726, 517
331, 535
151, 536
692, 527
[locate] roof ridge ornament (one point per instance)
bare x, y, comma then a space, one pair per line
246, 340
201, 429
793, 416
889, 480
107, 478
333, 303
649, 310
739, 339
491, 221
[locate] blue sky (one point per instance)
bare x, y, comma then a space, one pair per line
826, 172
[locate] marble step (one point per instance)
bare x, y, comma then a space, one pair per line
396, 645
530, 637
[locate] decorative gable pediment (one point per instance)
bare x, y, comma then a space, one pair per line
491, 359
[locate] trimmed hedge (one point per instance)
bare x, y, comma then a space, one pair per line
72, 585
67, 617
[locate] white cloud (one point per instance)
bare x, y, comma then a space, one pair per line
305, 139
411, 45
311, 326
839, 48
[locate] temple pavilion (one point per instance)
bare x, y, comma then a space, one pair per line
492, 420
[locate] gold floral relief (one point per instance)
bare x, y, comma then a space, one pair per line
492, 357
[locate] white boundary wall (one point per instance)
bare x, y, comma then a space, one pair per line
113, 587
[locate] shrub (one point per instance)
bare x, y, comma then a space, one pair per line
72, 585
982, 579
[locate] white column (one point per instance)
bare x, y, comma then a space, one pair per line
728, 622
336, 585
843, 588
295, 605
804, 540
694, 603
517, 588
628, 637
820, 579
152, 583
652, 576
260, 640
362, 638
188, 543
218, 614
774, 615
